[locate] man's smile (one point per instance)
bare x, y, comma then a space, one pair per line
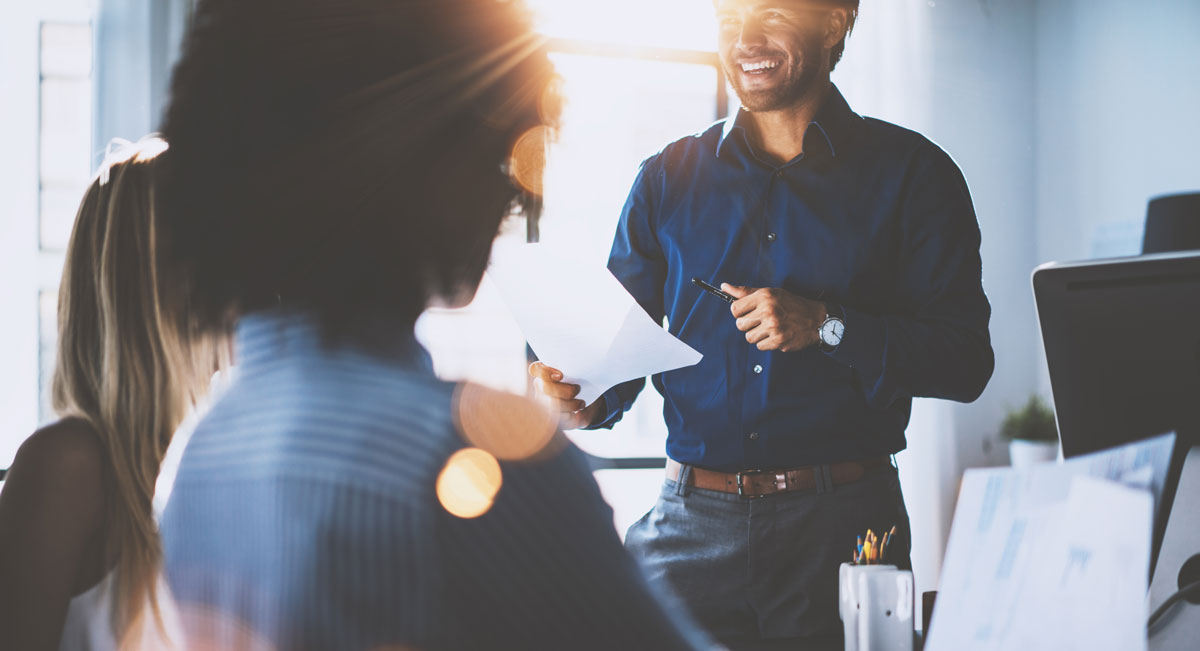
759, 65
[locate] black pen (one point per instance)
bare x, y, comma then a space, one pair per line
728, 298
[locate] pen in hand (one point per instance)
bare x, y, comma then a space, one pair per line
728, 298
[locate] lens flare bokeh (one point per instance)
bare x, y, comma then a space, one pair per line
468, 483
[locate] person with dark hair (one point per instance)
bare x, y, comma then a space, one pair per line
335, 167
850, 250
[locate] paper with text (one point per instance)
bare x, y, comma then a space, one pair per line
579, 319
1050, 556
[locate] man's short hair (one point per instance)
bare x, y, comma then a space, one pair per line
346, 158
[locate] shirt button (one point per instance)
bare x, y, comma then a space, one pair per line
753, 436
757, 368
770, 237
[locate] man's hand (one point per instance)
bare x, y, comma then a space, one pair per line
573, 414
776, 319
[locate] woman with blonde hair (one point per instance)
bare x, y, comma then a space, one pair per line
80, 554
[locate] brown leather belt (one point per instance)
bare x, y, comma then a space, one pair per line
757, 483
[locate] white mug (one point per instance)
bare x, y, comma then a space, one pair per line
876, 605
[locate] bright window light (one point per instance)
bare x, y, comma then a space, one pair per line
620, 105
682, 24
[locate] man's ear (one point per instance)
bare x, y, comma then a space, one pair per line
837, 25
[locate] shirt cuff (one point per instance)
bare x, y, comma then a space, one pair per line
612, 410
863, 346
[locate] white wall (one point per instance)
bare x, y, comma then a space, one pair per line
1118, 121
961, 72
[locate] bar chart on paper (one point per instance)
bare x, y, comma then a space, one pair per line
1053, 557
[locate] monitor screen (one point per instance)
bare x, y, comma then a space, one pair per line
1122, 341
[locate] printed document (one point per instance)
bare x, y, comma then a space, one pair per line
1055, 556
579, 319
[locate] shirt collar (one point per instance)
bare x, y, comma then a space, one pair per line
833, 122
266, 336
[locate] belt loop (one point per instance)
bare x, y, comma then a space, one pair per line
823, 476
685, 478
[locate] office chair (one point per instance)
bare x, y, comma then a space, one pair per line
1172, 224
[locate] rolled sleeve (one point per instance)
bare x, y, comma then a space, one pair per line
938, 345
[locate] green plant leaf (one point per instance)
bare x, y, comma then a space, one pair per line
1032, 422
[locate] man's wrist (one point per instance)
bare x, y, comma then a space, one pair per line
822, 316
832, 328
595, 414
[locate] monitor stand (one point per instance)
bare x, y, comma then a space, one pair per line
1180, 628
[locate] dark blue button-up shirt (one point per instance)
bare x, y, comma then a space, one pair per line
874, 220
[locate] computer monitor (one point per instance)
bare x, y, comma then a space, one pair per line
1122, 341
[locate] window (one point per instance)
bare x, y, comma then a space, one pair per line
46, 75
47, 348
65, 136
630, 87
64, 169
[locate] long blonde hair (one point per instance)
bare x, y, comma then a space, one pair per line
127, 362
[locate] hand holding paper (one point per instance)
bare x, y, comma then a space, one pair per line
575, 412
580, 319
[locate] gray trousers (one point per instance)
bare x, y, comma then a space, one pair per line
762, 573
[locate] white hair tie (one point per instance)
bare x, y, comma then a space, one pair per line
120, 150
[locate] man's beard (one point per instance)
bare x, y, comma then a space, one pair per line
787, 93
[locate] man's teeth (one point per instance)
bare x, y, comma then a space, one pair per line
761, 65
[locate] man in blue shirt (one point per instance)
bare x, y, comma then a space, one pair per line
852, 250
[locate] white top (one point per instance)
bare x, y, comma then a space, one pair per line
88, 625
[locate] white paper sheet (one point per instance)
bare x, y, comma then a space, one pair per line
579, 319
1091, 573
1056, 552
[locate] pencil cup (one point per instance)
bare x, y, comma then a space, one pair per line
848, 599
876, 605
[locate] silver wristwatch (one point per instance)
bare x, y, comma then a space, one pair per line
831, 331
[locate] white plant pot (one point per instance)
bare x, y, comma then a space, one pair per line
1024, 453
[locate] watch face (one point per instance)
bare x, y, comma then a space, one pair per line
831, 332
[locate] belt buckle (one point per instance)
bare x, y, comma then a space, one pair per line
780, 481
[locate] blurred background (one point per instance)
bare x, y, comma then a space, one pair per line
1066, 116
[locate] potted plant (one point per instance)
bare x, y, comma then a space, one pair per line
1031, 432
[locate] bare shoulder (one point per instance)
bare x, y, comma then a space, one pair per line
509, 426
67, 447
51, 514
61, 464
